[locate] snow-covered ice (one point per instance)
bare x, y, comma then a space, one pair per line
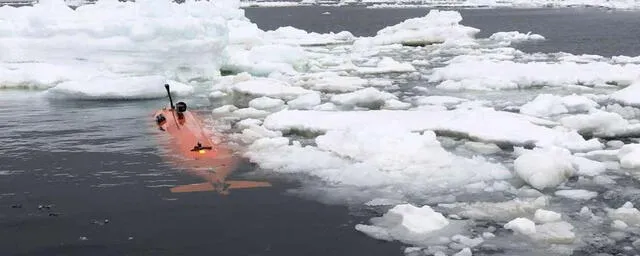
143, 87
515, 36
504, 127
628, 95
436, 27
543, 169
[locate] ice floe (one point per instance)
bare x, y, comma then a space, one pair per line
545, 105
515, 36
408, 223
577, 194
436, 27
628, 95
507, 74
543, 169
396, 158
144, 87
505, 127
629, 156
602, 124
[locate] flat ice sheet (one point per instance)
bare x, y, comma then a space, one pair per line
480, 124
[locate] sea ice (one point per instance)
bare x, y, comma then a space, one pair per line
436, 27
144, 87
515, 36
331, 82
507, 74
368, 97
601, 124
266, 103
577, 194
626, 213
544, 168
273, 88
499, 211
305, 102
505, 127
545, 105
386, 65
522, 225
628, 95
407, 223
544, 216
629, 156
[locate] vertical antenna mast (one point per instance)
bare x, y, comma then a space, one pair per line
166, 86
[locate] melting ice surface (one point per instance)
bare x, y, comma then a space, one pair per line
432, 137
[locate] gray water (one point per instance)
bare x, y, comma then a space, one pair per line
577, 30
97, 160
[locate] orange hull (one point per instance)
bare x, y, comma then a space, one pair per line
194, 150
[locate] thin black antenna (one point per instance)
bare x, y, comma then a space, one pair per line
166, 86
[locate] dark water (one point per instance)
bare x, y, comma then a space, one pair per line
87, 161
577, 31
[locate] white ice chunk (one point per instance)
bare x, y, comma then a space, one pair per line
326, 107
601, 123
405, 222
577, 194
628, 95
255, 132
305, 102
545, 105
629, 156
294, 36
332, 82
627, 112
436, 27
145, 87
375, 232
368, 97
270, 88
464, 252
224, 109
244, 113
542, 169
501, 211
393, 104
587, 167
387, 65
626, 213
515, 36
421, 220
467, 241
522, 225
446, 101
246, 123
266, 103
266, 59
618, 224
555, 233
217, 95
544, 216
482, 148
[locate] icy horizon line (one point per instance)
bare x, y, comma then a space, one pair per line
516, 4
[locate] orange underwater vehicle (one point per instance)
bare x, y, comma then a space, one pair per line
191, 148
